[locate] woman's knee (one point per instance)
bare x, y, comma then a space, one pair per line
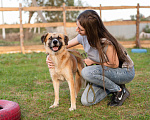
92, 95
84, 101
84, 97
86, 74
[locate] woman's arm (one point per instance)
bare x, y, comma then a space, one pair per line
111, 55
72, 42
49, 62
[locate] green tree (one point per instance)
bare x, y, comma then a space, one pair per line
133, 17
55, 16
147, 29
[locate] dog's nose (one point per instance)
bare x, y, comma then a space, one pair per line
55, 41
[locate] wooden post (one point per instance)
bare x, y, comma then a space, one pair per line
3, 29
100, 8
137, 27
21, 29
64, 18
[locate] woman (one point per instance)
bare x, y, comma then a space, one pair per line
109, 67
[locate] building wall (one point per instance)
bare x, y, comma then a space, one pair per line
125, 31
122, 31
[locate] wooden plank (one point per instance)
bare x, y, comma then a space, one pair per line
46, 8
144, 21
16, 49
145, 41
78, 8
71, 24
144, 6
43, 25
129, 46
68, 24
10, 26
111, 23
75, 8
34, 47
68, 8
9, 48
117, 7
32, 25
126, 42
9, 8
145, 45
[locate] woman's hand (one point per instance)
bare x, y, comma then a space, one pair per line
49, 62
88, 61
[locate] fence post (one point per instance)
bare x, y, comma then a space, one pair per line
3, 29
21, 29
100, 8
137, 27
64, 18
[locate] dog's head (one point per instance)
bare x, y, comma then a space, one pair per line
54, 41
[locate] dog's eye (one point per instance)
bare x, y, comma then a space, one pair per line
50, 38
59, 37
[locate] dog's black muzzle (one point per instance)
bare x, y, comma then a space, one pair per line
55, 42
55, 45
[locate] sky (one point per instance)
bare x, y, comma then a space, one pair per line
107, 15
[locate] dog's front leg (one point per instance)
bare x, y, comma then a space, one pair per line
70, 81
56, 91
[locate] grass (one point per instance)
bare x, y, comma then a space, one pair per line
25, 79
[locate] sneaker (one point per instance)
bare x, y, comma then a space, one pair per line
112, 99
124, 87
119, 97
116, 98
125, 96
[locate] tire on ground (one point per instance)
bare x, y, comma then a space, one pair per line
9, 110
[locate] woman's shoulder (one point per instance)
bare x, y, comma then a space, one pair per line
106, 41
81, 39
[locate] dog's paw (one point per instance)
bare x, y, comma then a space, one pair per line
71, 109
53, 106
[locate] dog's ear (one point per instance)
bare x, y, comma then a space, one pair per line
43, 37
66, 39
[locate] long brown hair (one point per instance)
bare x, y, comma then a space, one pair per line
95, 31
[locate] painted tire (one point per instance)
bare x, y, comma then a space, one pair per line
9, 110
139, 50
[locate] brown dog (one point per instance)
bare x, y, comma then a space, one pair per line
66, 65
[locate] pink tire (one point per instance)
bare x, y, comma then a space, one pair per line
9, 110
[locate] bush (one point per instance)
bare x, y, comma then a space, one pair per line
147, 29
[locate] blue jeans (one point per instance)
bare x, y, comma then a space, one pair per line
113, 77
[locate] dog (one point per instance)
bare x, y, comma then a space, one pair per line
66, 66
